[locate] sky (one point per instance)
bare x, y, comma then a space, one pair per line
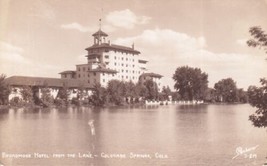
45, 37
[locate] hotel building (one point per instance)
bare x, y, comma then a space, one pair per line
106, 61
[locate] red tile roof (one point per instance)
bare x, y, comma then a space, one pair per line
114, 47
44, 81
68, 72
151, 75
100, 33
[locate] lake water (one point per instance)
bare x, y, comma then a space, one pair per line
128, 136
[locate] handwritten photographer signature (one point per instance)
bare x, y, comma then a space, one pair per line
244, 151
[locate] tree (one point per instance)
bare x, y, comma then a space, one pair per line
165, 93
191, 83
27, 94
259, 38
242, 96
98, 97
62, 96
116, 91
226, 90
151, 90
4, 90
258, 98
46, 97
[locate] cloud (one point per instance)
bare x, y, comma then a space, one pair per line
81, 28
126, 19
167, 49
11, 53
76, 26
242, 42
13, 62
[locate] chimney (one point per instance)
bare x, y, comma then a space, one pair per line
133, 46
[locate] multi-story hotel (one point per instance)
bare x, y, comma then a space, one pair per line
106, 61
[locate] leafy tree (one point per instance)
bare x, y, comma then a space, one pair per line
46, 97
141, 90
165, 93
210, 95
242, 96
62, 96
81, 92
99, 95
116, 91
258, 99
63, 93
191, 83
130, 91
175, 96
226, 90
4, 90
27, 94
151, 90
259, 38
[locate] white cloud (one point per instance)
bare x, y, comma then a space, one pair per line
167, 49
13, 62
11, 53
126, 19
76, 26
81, 28
242, 42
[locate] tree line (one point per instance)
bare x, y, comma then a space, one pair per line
190, 84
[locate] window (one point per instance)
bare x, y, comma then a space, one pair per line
106, 56
115, 63
133, 65
94, 73
122, 77
122, 64
122, 70
79, 69
122, 58
126, 59
115, 57
88, 75
103, 74
133, 71
83, 68
79, 75
126, 77
126, 71
88, 81
126, 65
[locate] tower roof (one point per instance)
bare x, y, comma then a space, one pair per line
100, 33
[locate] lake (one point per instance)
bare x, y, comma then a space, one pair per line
131, 136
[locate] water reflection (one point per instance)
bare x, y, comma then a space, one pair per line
187, 134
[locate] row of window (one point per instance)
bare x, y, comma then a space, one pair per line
115, 64
79, 75
123, 58
130, 71
83, 68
